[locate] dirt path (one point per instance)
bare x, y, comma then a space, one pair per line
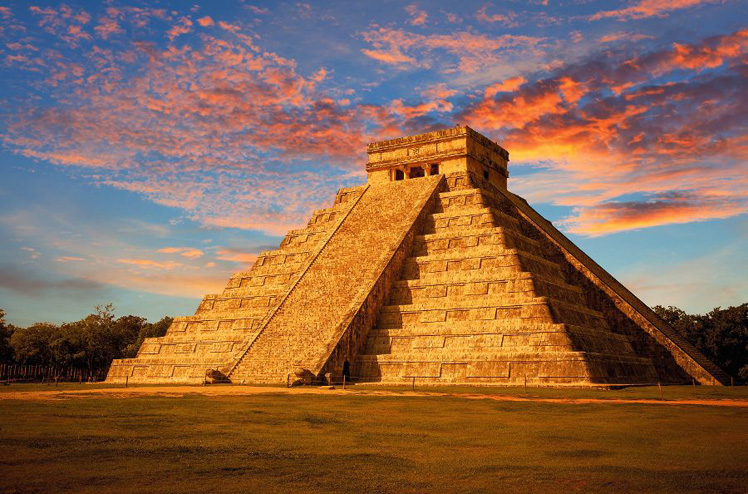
179, 391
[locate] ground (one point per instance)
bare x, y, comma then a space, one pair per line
83, 438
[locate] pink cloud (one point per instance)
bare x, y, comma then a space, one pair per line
472, 51
184, 26
257, 10
418, 17
483, 16
649, 8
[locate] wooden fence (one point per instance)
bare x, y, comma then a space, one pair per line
45, 373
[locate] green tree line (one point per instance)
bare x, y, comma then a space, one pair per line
721, 335
94, 341
91, 343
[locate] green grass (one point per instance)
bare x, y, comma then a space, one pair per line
366, 444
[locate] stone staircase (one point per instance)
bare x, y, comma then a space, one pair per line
477, 302
225, 323
307, 325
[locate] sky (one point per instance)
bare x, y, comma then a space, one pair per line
148, 150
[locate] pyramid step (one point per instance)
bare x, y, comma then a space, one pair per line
473, 217
226, 313
512, 260
519, 288
255, 291
383, 341
501, 301
444, 354
405, 291
460, 199
540, 308
476, 236
277, 269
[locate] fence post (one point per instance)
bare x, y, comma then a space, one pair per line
660, 387
127, 380
414, 384
343, 381
525, 383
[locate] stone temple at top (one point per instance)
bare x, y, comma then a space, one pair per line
432, 271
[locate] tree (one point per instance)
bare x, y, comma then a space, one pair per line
6, 350
721, 335
32, 345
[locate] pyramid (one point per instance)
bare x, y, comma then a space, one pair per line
432, 271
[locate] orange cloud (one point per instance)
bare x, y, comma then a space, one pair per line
150, 263
70, 259
183, 27
612, 217
188, 252
649, 8
205, 21
506, 86
641, 137
417, 17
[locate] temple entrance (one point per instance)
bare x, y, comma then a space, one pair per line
416, 172
399, 175
347, 371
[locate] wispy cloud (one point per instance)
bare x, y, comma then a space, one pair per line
188, 252
418, 17
471, 51
649, 8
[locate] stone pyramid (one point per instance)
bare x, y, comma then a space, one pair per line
430, 271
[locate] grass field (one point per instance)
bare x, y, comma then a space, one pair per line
353, 442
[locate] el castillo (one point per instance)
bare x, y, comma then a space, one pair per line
431, 271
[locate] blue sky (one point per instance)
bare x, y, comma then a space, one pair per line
151, 149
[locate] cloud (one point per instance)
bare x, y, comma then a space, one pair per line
150, 263
188, 252
27, 283
69, 259
649, 8
670, 208
256, 10
249, 143
184, 26
472, 51
623, 36
205, 21
418, 17
668, 125
33, 253
506, 19
505, 86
